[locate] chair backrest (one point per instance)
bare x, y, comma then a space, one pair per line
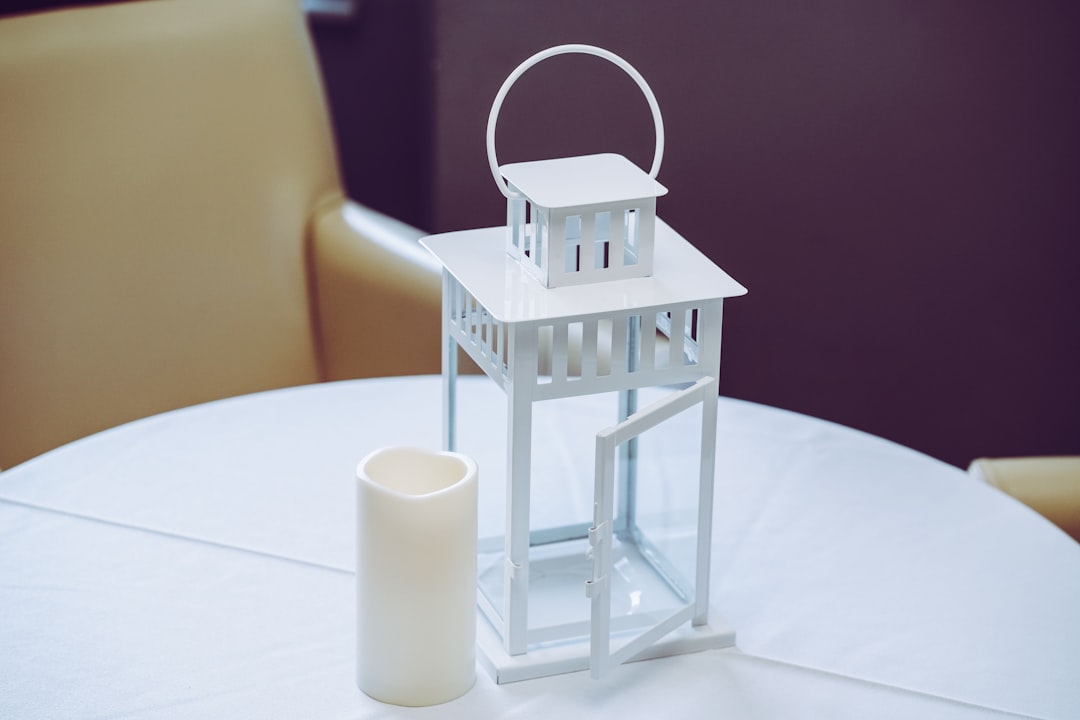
1048, 484
160, 163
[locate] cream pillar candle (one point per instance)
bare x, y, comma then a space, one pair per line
416, 575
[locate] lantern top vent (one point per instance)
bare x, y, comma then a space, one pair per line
577, 181
580, 220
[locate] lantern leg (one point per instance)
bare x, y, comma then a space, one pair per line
449, 373
522, 357
709, 406
625, 521
710, 320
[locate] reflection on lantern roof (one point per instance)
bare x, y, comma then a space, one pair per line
585, 180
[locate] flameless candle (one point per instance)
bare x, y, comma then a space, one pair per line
416, 575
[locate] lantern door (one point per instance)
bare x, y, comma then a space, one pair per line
652, 524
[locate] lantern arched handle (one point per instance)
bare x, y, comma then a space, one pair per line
493, 116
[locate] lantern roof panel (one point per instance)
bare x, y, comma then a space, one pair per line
584, 180
478, 260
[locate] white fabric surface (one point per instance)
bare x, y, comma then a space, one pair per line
199, 564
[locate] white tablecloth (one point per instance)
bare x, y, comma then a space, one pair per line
199, 564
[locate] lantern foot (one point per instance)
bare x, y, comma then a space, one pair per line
567, 657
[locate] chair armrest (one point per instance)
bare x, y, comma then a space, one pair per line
1048, 485
378, 296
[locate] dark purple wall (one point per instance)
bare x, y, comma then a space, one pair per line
898, 184
377, 70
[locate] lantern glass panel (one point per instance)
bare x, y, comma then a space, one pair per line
486, 443
655, 511
663, 519
560, 513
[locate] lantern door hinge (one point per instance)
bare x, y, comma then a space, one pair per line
596, 534
596, 586
513, 569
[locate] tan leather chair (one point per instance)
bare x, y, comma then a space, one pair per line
172, 223
1048, 485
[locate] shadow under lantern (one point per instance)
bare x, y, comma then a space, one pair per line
585, 291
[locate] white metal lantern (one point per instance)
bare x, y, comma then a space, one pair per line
586, 292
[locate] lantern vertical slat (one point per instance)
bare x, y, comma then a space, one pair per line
589, 358
618, 346
559, 355
501, 356
647, 359
588, 247
645, 228
515, 224
675, 337
548, 237
616, 231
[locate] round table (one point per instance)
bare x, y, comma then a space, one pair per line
199, 564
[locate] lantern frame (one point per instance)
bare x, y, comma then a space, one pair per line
663, 330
